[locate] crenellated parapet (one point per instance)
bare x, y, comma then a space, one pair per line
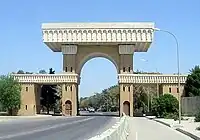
151, 78
47, 78
139, 34
123, 78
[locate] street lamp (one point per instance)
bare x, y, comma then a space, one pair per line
178, 68
148, 90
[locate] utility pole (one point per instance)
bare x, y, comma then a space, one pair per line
157, 86
148, 97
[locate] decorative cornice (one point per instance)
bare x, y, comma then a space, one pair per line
98, 32
123, 78
150, 78
47, 78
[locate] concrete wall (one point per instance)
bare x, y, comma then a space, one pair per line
190, 105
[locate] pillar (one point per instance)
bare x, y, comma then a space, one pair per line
69, 90
37, 96
69, 58
69, 95
29, 100
126, 89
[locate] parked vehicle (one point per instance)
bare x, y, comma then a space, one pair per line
91, 110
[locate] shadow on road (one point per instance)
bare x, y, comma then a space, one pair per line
111, 114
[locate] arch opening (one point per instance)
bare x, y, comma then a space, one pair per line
68, 108
96, 55
99, 73
126, 107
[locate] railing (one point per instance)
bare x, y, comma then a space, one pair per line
47, 78
151, 78
119, 131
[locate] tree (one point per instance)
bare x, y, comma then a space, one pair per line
140, 98
10, 94
193, 83
20, 72
49, 95
42, 72
165, 106
107, 100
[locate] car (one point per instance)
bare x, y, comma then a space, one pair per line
91, 110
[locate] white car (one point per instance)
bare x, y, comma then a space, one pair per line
91, 110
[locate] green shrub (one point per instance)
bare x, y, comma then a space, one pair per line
198, 128
171, 116
165, 106
197, 117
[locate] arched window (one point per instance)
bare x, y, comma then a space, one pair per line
129, 69
124, 69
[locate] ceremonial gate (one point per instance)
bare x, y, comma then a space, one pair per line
80, 42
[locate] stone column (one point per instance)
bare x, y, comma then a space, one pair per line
69, 58
126, 89
37, 96
69, 90
69, 95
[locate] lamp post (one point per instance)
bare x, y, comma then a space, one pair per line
178, 68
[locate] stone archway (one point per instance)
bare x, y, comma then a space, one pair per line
95, 55
68, 108
80, 42
126, 107
87, 53
119, 55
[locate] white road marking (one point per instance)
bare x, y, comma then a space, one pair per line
136, 136
42, 129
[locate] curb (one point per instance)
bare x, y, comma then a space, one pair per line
154, 119
178, 129
188, 134
162, 123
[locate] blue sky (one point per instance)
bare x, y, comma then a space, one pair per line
22, 47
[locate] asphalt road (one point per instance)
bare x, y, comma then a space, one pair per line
86, 113
145, 129
60, 128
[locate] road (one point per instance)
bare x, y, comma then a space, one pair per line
86, 113
61, 128
145, 129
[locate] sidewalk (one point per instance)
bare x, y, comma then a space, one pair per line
11, 118
142, 128
187, 127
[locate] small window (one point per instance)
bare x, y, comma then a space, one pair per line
71, 88
34, 107
26, 88
65, 69
65, 87
177, 90
123, 88
129, 69
71, 69
129, 89
170, 90
26, 107
124, 69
